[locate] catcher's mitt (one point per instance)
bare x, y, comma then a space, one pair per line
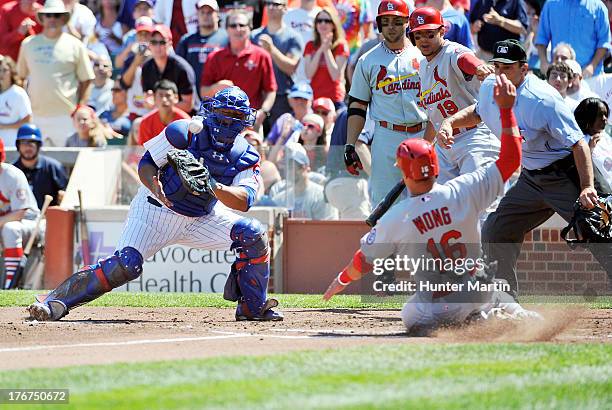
194, 175
590, 225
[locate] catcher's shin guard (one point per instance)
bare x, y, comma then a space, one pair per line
89, 283
248, 280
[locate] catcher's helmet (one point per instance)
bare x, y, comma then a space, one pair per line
425, 18
417, 159
391, 8
28, 132
223, 129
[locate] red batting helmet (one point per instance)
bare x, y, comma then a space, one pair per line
417, 159
391, 8
425, 18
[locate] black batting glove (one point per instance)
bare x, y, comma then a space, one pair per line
352, 160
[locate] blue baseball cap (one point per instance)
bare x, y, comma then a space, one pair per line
301, 90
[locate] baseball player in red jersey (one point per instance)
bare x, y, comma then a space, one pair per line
450, 79
440, 220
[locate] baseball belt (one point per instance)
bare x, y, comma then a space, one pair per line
402, 128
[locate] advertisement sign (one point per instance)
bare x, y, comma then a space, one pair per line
175, 268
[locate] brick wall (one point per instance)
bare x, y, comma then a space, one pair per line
547, 265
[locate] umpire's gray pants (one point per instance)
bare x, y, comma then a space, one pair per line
529, 203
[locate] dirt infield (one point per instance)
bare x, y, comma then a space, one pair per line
94, 335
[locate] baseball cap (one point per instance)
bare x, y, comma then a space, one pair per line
508, 52
145, 23
300, 90
210, 3
163, 30
151, 3
296, 152
574, 66
313, 119
324, 104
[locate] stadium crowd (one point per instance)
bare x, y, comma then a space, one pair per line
104, 73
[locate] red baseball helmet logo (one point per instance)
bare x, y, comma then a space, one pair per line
420, 20
390, 7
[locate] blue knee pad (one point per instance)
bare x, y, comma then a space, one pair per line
93, 281
248, 279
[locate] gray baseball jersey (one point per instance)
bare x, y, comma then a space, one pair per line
390, 82
15, 192
443, 223
444, 88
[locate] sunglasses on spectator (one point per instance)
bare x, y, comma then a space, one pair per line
158, 42
327, 21
311, 126
236, 25
116, 90
321, 112
101, 65
274, 5
53, 15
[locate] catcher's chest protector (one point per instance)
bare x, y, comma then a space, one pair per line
223, 167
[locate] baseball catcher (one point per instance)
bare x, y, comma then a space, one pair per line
191, 174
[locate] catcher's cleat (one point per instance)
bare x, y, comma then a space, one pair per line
266, 314
194, 175
44, 312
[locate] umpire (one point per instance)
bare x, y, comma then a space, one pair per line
556, 167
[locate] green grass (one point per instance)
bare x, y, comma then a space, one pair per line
555, 376
138, 299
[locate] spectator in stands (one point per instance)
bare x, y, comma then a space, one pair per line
578, 89
285, 47
300, 100
558, 75
302, 19
126, 13
166, 66
15, 106
242, 64
17, 21
144, 8
313, 139
195, 48
179, 15
82, 21
583, 24
563, 52
592, 116
456, 24
45, 175
108, 29
58, 81
131, 76
309, 201
118, 116
324, 107
166, 99
100, 98
90, 132
325, 58
497, 20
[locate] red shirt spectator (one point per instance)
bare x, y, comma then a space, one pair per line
12, 16
152, 124
322, 83
250, 70
241, 64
